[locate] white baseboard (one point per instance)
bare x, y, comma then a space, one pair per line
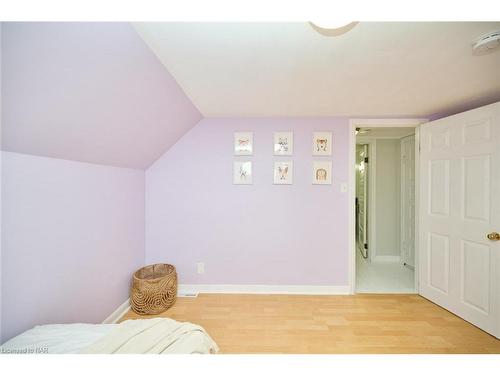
118, 313
264, 289
387, 259
194, 289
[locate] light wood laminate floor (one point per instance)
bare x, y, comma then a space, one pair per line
362, 323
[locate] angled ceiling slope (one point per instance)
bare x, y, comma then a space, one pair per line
91, 92
288, 69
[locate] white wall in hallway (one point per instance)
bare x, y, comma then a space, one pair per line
387, 198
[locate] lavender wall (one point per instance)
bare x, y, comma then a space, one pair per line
1, 331
259, 234
96, 94
74, 234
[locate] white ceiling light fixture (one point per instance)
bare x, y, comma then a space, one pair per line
332, 28
486, 43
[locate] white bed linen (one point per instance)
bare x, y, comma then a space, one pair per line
155, 336
56, 338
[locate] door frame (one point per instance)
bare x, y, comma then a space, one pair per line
377, 123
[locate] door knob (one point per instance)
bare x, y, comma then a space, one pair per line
493, 236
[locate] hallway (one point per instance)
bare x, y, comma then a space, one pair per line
391, 277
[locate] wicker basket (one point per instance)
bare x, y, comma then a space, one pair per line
154, 289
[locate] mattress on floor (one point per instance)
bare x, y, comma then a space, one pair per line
157, 335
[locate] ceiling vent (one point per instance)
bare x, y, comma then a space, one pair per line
486, 43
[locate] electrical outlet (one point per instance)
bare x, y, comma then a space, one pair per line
200, 268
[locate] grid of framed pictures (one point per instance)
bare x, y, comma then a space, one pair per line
283, 145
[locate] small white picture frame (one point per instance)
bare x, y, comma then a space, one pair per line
243, 143
283, 143
322, 143
242, 173
283, 172
322, 172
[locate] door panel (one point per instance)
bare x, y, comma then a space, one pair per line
475, 275
439, 261
439, 187
476, 187
477, 132
459, 205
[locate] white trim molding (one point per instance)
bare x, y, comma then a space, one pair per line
388, 122
263, 289
118, 313
188, 290
351, 216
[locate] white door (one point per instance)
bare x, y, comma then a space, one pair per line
408, 200
459, 207
362, 170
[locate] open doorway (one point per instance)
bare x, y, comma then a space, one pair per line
385, 210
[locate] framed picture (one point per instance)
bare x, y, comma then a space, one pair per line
242, 173
243, 143
283, 172
283, 143
322, 172
322, 143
